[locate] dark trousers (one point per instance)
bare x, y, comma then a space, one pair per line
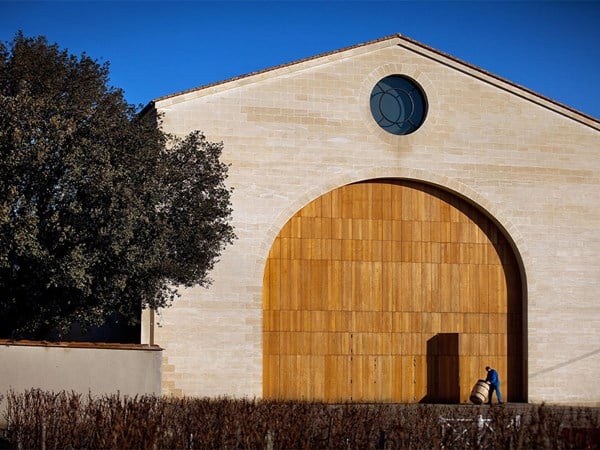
495, 387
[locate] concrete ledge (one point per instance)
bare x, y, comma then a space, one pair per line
96, 345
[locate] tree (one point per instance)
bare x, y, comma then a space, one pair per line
100, 211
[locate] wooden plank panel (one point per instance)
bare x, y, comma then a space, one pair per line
406, 235
304, 339
318, 342
312, 209
398, 249
444, 211
273, 285
445, 253
408, 379
284, 320
338, 368
416, 211
495, 290
326, 249
285, 247
334, 286
318, 321
377, 285
426, 255
426, 303
346, 245
346, 271
397, 378
290, 299
467, 379
315, 293
397, 293
387, 286
324, 229
357, 283
396, 202
271, 320
400, 324
383, 379
484, 323
456, 215
285, 231
416, 252
397, 231
346, 197
471, 322
304, 379
434, 209
336, 249
445, 287
305, 224
275, 251
271, 376
271, 343
285, 302
407, 204
358, 233
316, 381
337, 227
377, 200
287, 386
333, 343
454, 287
357, 370
336, 202
316, 248
266, 297
418, 344
376, 251
406, 286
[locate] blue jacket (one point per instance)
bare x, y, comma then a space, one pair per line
492, 376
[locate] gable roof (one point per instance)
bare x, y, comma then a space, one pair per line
412, 45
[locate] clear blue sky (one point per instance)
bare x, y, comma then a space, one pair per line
157, 48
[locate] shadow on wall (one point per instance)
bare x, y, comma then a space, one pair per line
443, 369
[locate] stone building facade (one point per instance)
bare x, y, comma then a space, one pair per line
369, 264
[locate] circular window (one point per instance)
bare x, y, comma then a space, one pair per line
398, 105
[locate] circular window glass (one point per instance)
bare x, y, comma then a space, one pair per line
398, 105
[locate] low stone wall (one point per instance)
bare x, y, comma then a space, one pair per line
96, 368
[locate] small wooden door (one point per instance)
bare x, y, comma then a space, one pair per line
443, 368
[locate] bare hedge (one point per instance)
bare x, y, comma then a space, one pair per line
46, 420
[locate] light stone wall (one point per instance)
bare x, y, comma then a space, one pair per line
96, 369
296, 132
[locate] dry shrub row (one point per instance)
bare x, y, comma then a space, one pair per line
46, 420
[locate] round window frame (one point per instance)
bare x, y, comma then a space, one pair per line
406, 96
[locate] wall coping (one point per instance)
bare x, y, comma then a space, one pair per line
88, 345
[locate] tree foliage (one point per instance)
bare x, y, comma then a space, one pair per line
100, 211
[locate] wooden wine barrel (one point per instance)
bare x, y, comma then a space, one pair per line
480, 392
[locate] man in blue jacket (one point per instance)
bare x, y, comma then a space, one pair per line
494, 380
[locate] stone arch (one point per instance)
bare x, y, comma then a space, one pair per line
494, 211
364, 283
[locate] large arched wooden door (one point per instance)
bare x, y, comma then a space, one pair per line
363, 286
